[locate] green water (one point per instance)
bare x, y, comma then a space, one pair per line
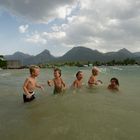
96, 114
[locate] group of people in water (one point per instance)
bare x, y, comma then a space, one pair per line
58, 83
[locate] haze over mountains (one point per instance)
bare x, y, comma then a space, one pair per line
75, 54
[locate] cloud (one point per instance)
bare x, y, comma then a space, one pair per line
54, 35
39, 10
36, 38
23, 28
98, 24
105, 25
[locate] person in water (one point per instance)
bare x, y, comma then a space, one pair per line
114, 84
92, 80
30, 84
57, 82
79, 80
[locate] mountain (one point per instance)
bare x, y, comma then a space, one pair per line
86, 54
82, 54
17, 56
79, 53
137, 54
43, 57
119, 55
125, 53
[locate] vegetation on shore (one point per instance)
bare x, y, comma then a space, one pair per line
3, 63
124, 62
128, 61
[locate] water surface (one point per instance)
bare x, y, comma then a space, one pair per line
88, 114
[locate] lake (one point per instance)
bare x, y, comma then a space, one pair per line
87, 114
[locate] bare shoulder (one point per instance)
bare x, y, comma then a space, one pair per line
92, 77
53, 80
75, 81
62, 80
27, 79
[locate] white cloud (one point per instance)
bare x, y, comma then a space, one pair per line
23, 28
56, 28
105, 25
64, 11
98, 24
44, 37
55, 35
36, 38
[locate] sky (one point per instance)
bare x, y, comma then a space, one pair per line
31, 26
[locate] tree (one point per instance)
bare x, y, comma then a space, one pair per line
3, 63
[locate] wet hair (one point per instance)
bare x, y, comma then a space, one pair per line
57, 69
95, 70
116, 80
78, 73
32, 68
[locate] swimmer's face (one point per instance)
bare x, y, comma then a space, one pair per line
36, 72
113, 82
56, 74
80, 76
95, 72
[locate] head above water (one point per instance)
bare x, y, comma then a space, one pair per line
34, 70
57, 72
79, 75
114, 81
95, 71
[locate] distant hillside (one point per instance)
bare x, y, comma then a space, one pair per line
137, 54
120, 55
43, 57
82, 54
75, 54
86, 54
17, 56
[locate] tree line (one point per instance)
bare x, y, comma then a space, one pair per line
128, 61
124, 62
3, 63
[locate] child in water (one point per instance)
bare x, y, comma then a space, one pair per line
57, 82
114, 84
92, 80
30, 84
79, 78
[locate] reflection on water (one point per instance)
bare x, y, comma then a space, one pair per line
86, 114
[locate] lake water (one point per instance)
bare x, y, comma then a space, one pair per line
88, 114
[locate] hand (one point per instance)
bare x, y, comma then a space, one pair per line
49, 82
29, 96
99, 82
42, 88
64, 88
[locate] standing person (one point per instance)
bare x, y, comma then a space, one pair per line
30, 84
92, 80
57, 82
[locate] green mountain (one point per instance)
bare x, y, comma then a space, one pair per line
75, 54
82, 54
42, 58
17, 56
119, 55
